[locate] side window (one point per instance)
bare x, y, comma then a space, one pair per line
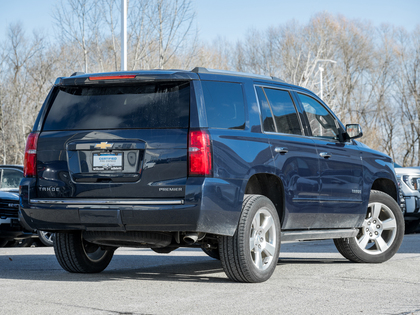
267, 115
225, 105
284, 111
278, 104
322, 123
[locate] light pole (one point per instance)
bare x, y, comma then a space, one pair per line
321, 70
123, 35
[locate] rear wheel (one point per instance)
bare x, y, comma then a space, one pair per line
74, 254
251, 254
381, 234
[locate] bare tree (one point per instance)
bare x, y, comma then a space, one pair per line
172, 21
76, 19
16, 104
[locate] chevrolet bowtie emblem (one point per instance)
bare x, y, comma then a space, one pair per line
103, 145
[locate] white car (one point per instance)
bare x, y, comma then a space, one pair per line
409, 180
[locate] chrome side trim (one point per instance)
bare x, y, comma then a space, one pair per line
106, 202
327, 200
318, 234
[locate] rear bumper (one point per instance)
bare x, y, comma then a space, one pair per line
211, 206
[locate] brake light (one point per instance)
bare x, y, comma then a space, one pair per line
113, 77
29, 164
199, 153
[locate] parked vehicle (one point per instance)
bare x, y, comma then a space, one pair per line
10, 177
229, 162
10, 228
409, 178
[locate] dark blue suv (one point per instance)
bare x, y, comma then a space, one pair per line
230, 162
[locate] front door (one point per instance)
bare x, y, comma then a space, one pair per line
341, 169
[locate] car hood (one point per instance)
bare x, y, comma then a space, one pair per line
9, 195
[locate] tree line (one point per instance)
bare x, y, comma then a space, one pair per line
375, 80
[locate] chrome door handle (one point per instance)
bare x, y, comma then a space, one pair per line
281, 150
325, 155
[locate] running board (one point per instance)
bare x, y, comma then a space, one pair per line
306, 235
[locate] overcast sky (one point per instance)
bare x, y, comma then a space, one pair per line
231, 18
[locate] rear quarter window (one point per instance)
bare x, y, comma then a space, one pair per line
225, 106
155, 106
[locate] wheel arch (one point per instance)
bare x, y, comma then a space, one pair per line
270, 186
386, 186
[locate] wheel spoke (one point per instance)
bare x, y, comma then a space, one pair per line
376, 211
363, 241
256, 222
268, 223
269, 249
381, 244
252, 241
258, 259
389, 224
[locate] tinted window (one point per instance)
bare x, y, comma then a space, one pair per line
284, 111
321, 121
161, 105
224, 105
267, 116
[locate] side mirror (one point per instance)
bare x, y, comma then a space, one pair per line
354, 131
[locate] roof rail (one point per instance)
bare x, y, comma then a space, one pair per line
235, 73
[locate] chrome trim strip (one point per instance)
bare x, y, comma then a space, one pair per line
327, 200
106, 202
287, 236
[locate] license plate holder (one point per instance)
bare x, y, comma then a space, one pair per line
107, 161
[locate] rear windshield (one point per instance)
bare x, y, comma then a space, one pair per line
155, 106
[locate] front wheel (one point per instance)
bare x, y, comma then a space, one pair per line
74, 254
381, 234
46, 238
251, 254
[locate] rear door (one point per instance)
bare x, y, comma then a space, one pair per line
124, 140
295, 157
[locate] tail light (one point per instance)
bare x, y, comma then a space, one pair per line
29, 164
199, 153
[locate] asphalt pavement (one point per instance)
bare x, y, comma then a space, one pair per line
310, 278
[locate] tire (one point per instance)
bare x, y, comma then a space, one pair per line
411, 226
381, 234
212, 252
251, 254
76, 255
46, 238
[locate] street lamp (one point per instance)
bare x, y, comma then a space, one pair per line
321, 70
123, 35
